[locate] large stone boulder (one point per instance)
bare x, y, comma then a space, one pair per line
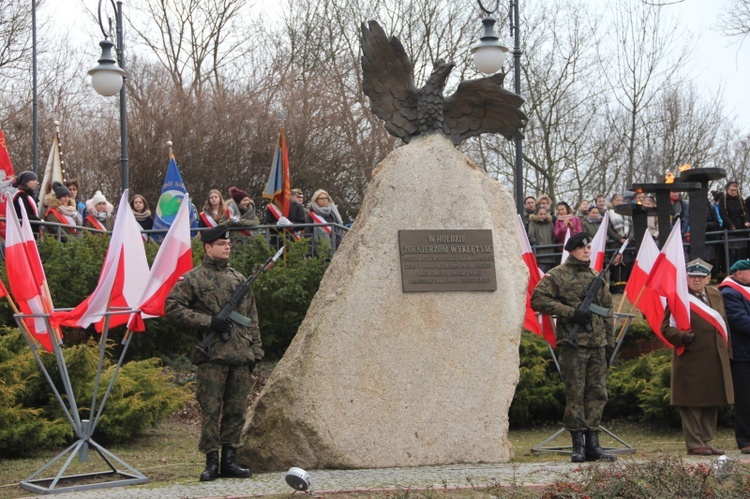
377, 377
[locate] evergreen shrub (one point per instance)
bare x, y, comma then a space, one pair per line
30, 414
282, 295
540, 397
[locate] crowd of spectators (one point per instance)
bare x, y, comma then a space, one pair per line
67, 214
727, 211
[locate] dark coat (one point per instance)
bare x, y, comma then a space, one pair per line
30, 203
542, 233
733, 212
700, 375
738, 315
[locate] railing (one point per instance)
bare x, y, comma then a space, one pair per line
713, 239
269, 232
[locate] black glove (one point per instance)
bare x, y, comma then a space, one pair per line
609, 351
581, 317
221, 326
687, 338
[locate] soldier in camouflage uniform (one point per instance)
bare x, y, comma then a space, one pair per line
583, 369
225, 352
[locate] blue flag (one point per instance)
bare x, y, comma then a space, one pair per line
172, 194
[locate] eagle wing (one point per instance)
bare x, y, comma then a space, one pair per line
483, 106
388, 81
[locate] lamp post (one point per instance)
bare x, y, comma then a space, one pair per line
489, 56
108, 78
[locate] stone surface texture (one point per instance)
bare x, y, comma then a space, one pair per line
378, 378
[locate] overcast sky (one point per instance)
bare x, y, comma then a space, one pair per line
718, 62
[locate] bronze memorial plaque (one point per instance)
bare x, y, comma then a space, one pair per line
447, 260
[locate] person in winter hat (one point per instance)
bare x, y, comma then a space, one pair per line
100, 213
61, 209
27, 183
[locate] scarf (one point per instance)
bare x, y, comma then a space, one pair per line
143, 215
102, 216
620, 223
327, 211
68, 211
594, 220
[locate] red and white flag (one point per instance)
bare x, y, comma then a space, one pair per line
320, 220
32, 253
175, 257
26, 291
599, 244
536, 323
668, 278
121, 281
565, 252
644, 298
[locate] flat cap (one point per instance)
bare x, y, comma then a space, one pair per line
577, 240
699, 267
739, 265
215, 233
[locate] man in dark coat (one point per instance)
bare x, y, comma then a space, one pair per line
701, 376
225, 351
736, 292
583, 367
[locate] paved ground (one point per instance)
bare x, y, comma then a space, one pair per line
437, 477
458, 476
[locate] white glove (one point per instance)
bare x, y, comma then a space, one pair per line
235, 219
283, 221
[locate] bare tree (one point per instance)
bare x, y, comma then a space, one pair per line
735, 20
640, 60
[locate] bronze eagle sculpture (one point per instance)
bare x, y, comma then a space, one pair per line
478, 106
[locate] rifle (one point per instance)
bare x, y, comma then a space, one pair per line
228, 311
587, 304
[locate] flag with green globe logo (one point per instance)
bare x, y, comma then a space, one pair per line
173, 192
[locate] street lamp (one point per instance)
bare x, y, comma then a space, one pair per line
489, 56
108, 78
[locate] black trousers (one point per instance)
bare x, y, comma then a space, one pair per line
741, 380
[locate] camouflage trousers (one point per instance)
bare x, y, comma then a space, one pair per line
222, 392
584, 373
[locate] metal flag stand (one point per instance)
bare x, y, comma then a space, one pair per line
83, 428
622, 320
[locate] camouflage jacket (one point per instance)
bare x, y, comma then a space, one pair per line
198, 296
562, 290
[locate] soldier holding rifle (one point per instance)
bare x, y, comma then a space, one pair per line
585, 339
225, 350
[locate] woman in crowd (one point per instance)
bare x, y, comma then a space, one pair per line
74, 188
27, 183
100, 213
593, 222
142, 213
542, 233
323, 210
735, 219
242, 208
61, 209
565, 222
215, 210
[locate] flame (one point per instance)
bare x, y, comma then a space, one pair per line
669, 177
684, 167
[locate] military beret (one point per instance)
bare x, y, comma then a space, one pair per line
699, 267
739, 265
296, 191
215, 233
577, 240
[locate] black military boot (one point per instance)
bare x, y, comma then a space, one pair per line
594, 452
212, 467
578, 452
229, 466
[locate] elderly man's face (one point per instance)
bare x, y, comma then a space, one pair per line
742, 276
697, 283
